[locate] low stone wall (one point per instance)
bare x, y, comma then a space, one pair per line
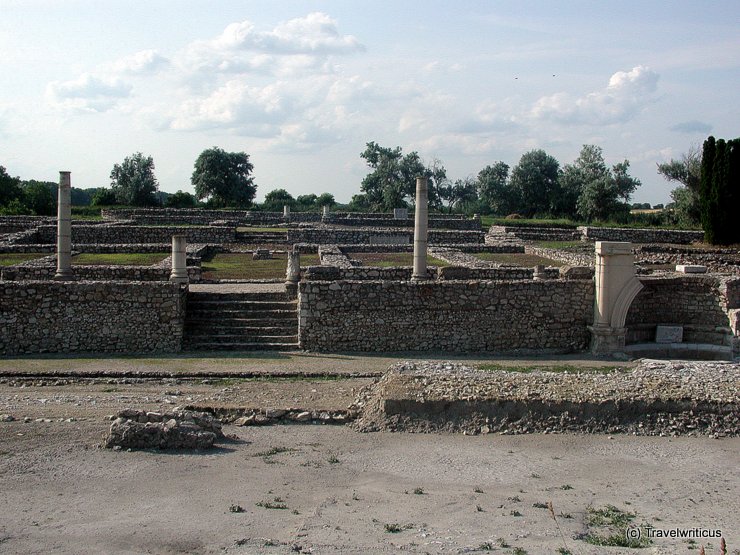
103, 317
379, 236
387, 220
118, 234
581, 257
715, 259
454, 316
195, 216
674, 236
497, 273
695, 302
97, 272
334, 273
538, 233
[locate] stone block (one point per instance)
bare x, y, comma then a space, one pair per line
669, 334
691, 269
400, 213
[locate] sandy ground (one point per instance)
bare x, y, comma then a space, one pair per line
342, 491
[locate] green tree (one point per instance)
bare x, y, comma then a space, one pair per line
687, 172
461, 193
104, 197
494, 192
181, 199
393, 177
224, 178
133, 181
574, 178
38, 197
720, 190
276, 199
325, 199
534, 181
10, 188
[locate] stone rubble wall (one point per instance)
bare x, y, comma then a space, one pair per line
193, 216
536, 233
387, 220
334, 273
674, 236
372, 236
493, 273
118, 234
455, 316
98, 272
697, 303
715, 259
86, 316
581, 257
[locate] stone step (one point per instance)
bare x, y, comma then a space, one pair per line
225, 314
241, 346
198, 296
200, 331
239, 338
199, 304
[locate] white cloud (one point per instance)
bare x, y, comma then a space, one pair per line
144, 61
299, 44
89, 92
621, 100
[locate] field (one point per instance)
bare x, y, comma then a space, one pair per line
233, 265
391, 259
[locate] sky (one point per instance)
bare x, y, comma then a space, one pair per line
302, 86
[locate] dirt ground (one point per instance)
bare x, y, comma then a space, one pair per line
326, 488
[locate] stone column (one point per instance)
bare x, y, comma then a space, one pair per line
64, 228
325, 211
616, 287
293, 273
286, 212
420, 230
179, 272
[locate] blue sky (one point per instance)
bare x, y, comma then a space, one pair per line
302, 86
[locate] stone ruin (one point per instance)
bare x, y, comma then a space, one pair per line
609, 296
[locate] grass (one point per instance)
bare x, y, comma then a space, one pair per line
563, 245
516, 259
560, 368
391, 259
276, 503
614, 524
13, 258
231, 265
119, 258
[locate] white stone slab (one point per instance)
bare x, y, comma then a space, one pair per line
400, 213
691, 269
669, 334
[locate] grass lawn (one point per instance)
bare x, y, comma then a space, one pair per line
119, 258
516, 259
564, 245
13, 258
390, 259
234, 265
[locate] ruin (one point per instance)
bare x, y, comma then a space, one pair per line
610, 291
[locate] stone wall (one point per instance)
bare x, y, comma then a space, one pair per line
97, 272
695, 302
379, 236
85, 234
387, 220
583, 256
104, 317
195, 216
453, 316
631, 235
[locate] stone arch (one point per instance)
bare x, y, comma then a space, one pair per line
624, 301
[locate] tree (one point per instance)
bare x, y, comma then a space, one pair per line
393, 179
534, 181
587, 168
687, 172
460, 193
104, 197
325, 199
181, 199
720, 190
37, 196
494, 192
224, 178
10, 188
276, 199
133, 181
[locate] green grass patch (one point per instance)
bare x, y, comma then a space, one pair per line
516, 259
563, 245
119, 258
89, 213
232, 265
391, 259
13, 258
559, 368
262, 229
612, 524
530, 222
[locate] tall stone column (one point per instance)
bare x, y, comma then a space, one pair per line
420, 230
64, 228
179, 272
293, 273
286, 212
325, 211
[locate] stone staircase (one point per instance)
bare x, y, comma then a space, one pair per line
247, 321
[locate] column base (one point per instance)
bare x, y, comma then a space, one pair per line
291, 289
606, 340
179, 277
64, 275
